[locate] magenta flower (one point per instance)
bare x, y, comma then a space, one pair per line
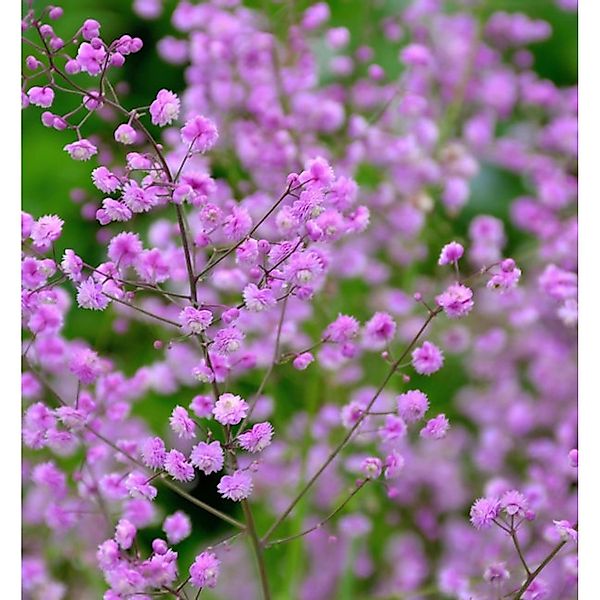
371, 467
91, 58
565, 530
514, 503
165, 108
230, 409
228, 340
451, 253
379, 330
41, 96
412, 405
177, 527
202, 406
125, 134
236, 487
177, 466
427, 359
484, 511
91, 295
125, 532
105, 180
154, 453
138, 487
343, 329
204, 571
393, 465
436, 428
46, 230
81, 150
181, 423
207, 457
200, 133
257, 438
257, 300
194, 321
456, 301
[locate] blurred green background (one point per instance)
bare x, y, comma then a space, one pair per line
49, 176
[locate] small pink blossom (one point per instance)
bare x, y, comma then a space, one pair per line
230, 409
237, 486
200, 133
258, 438
165, 108
81, 150
427, 359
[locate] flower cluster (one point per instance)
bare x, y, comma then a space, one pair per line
284, 332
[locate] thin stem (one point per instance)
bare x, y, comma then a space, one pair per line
351, 431
141, 310
320, 523
515, 539
263, 383
258, 549
542, 566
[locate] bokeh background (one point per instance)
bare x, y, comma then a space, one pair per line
53, 183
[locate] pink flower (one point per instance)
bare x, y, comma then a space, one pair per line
379, 330
208, 458
81, 150
165, 108
86, 365
204, 572
302, 361
258, 438
343, 329
202, 406
181, 423
154, 453
46, 230
436, 428
236, 487
91, 58
565, 530
456, 301
496, 573
200, 133
237, 224
484, 511
514, 503
394, 463
124, 248
508, 277
125, 532
393, 428
412, 405
177, 527
112, 210
91, 296
427, 359
137, 198
230, 409
451, 253
41, 96
138, 487
194, 321
177, 467
257, 300
72, 265
228, 340
105, 180
125, 134
371, 467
